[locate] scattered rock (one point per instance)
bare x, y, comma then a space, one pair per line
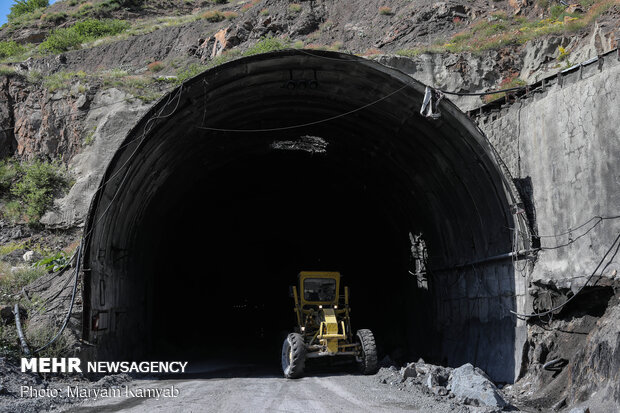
14, 257
409, 371
580, 410
473, 385
28, 256
7, 316
113, 380
437, 376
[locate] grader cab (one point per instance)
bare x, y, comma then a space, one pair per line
324, 326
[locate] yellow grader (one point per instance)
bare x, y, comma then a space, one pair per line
324, 326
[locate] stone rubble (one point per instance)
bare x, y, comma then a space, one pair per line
467, 384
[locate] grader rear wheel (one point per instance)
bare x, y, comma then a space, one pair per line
367, 361
293, 356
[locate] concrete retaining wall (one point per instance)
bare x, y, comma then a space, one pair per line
563, 147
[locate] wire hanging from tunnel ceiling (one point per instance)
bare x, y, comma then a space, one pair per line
302, 125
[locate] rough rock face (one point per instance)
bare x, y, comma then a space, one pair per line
472, 383
596, 368
45, 123
457, 72
109, 120
540, 55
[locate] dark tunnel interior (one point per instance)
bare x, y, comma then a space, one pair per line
197, 231
246, 231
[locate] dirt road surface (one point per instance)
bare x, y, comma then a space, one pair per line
263, 389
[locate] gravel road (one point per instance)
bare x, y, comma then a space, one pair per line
261, 389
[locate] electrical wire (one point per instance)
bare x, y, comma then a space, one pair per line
78, 253
302, 125
554, 309
71, 303
569, 232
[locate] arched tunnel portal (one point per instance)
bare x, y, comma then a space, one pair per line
296, 160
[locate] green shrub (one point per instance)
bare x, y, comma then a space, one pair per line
294, 7
12, 280
53, 263
385, 11
32, 188
22, 7
156, 66
43, 335
93, 29
213, 16
556, 11
266, 44
191, 71
61, 40
8, 172
6, 70
10, 48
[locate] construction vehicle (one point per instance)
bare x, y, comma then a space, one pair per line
324, 326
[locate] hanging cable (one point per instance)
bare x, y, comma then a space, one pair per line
73, 294
554, 309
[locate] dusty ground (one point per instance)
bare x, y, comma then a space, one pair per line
263, 389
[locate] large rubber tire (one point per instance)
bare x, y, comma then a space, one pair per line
368, 363
293, 356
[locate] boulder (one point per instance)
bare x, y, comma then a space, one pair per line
409, 371
474, 386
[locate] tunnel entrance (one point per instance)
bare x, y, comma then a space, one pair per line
290, 161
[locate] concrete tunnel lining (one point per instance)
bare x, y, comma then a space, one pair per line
407, 174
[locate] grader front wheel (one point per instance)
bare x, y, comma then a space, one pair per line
367, 361
293, 356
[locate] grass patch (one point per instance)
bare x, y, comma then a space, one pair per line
90, 137
229, 15
249, 5
10, 247
138, 86
62, 80
55, 18
264, 45
6, 70
504, 30
213, 16
294, 8
507, 83
61, 40
12, 280
156, 66
41, 336
385, 11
